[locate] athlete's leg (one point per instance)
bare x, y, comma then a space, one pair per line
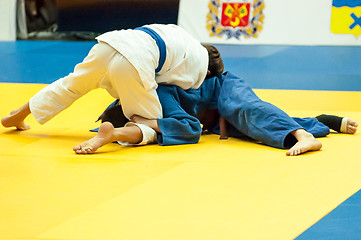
107, 134
339, 124
305, 142
134, 98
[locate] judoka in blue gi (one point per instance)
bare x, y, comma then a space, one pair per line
225, 105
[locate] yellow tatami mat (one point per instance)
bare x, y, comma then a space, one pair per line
230, 189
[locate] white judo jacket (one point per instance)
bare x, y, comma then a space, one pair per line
186, 62
186, 66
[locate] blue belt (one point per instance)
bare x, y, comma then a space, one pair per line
160, 43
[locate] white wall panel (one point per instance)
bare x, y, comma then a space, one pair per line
291, 22
7, 20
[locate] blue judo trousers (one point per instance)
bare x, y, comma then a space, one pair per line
259, 120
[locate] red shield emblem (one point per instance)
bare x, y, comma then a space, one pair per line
235, 14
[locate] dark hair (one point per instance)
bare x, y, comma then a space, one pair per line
215, 63
114, 114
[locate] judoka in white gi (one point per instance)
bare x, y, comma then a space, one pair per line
129, 64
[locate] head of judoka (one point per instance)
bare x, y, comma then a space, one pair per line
215, 63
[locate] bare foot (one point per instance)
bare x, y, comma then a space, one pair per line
14, 120
349, 126
103, 137
306, 142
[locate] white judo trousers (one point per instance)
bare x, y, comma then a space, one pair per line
106, 68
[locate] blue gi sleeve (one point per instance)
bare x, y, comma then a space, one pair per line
176, 126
